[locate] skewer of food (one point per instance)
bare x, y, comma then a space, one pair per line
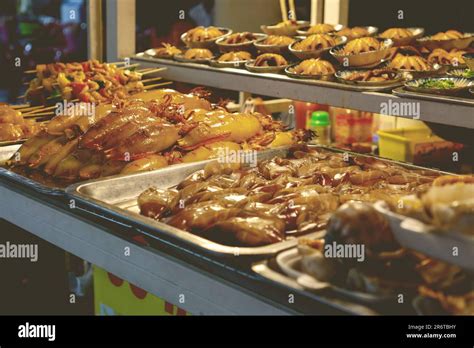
89, 81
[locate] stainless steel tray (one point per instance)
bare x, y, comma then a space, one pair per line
289, 262
6, 152
424, 238
402, 92
267, 271
12, 142
117, 196
143, 57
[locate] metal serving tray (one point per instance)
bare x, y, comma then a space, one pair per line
267, 269
12, 142
402, 92
117, 196
6, 152
143, 57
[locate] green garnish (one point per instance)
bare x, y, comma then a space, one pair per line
100, 83
437, 84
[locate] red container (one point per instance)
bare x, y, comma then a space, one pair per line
303, 111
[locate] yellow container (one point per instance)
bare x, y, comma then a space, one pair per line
115, 296
408, 144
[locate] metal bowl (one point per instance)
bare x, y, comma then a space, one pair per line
341, 76
304, 30
416, 34
447, 45
285, 30
340, 40
290, 73
461, 85
207, 43
469, 59
244, 46
264, 48
366, 59
250, 66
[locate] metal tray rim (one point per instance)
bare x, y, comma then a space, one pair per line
74, 192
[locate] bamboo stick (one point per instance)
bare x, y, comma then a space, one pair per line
51, 113
19, 106
33, 108
153, 71
157, 85
41, 109
152, 79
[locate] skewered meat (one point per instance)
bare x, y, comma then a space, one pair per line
14, 127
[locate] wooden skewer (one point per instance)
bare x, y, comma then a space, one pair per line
42, 109
153, 71
118, 63
292, 10
21, 96
51, 113
23, 106
157, 85
30, 71
153, 79
284, 11
33, 108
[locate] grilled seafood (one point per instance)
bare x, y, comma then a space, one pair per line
198, 53
14, 127
235, 56
447, 205
315, 42
270, 59
237, 38
145, 132
280, 197
353, 33
443, 57
375, 75
278, 40
200, 34
314, 66
167, 51
321, 28
361, 45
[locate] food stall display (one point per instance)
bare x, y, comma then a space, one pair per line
241, 190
